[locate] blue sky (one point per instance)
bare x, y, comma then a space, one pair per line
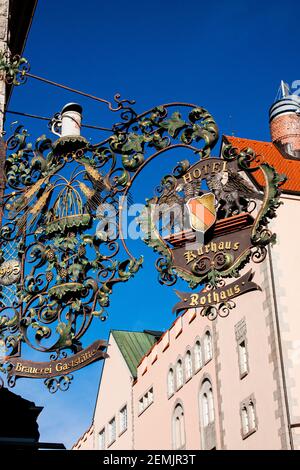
227, 56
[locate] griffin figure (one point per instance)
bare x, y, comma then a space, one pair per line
232, 192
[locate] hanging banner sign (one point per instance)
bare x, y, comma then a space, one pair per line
207, 221
205, 297
40, 370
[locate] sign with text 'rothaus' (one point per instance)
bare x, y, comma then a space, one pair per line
217, 223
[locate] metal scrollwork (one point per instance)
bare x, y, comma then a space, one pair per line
13, 68
204, 264
222, 310
60, 383
258, 254
70, 255
54, 224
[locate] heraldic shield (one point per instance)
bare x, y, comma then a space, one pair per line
202, 212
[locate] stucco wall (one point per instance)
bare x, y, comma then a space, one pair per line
229, 389
153, 428
115, 392
285, 263
86, 442
262, 380
271, 318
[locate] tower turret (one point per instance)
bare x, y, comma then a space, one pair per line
284, 119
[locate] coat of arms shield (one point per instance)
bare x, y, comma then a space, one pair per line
202, 212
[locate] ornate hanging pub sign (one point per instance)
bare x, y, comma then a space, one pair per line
59, 258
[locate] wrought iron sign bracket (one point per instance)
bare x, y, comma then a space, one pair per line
59, 264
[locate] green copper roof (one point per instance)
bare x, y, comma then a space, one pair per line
134, 345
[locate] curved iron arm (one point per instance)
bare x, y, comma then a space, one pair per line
67, 274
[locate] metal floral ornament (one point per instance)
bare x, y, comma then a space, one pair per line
13, 69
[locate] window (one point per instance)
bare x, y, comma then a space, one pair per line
248, 417
198, 356
207, 403
102, 439
123, 419
242, 347
188, 365
243, 358
150, 396
141, 405
211, 409
170, 382
178, 428
146, 400
208, 346
207, 416
245, 420
252, 417
112, 431
179, 373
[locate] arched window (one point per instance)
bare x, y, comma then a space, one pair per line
207, 402
102, 439
211, 406
245, 420
198, 355
170, 382
207, 416
207, 346
179, 373
205, 411
178, 428
243, 358
188, 365
252, 417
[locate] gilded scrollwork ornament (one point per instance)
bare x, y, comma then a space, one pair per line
69, 257
61, 256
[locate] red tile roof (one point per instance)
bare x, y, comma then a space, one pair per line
269, 153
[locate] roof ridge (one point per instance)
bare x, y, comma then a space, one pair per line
246, 138
132, 331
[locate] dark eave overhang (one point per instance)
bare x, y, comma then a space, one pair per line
20, 19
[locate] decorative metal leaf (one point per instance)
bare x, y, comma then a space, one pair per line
174, 125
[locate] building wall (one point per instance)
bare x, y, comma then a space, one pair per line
115, 391
268, 320
262, 382
285, 262
254, 314
153, 428
286, 130
273, 326
86, 442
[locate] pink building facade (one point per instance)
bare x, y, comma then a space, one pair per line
231, 383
